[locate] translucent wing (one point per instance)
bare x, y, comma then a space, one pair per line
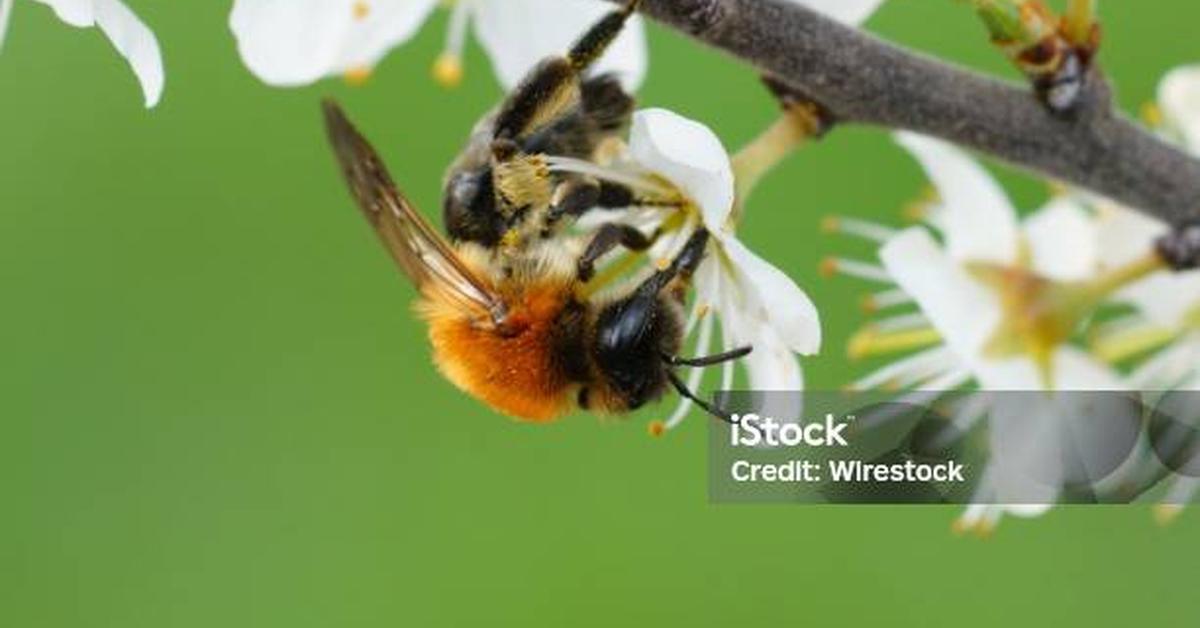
417, 247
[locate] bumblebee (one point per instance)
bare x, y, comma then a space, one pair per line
512, 319
521, 335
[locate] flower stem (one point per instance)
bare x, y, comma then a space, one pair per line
763, 153
1118, 278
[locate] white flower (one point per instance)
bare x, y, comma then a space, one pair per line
296, 42
128, 34
1179, 99
1167, 303
756, 304
998, 300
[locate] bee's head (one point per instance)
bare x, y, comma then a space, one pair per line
469, 208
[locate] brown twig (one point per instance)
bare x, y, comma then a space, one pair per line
862, 79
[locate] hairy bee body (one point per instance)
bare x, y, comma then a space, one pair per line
555, 353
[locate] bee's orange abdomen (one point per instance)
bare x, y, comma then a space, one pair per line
518, 373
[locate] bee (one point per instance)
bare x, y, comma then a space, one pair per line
512, 318
521, 335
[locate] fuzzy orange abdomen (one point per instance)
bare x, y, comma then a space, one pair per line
518, 373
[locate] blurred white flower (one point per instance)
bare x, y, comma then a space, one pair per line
296, 42
757, 304
998, 300
128, 34
1167, 304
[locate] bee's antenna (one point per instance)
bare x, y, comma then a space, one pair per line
708, 360
683, 391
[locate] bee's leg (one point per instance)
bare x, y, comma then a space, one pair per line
609, 237
679, 272
599, 37
552, 86
572, 197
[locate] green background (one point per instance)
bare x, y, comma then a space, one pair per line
216, 409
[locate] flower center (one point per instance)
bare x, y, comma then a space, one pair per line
1039, 314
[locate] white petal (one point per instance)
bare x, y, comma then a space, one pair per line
136, 42
690, 156
519, 33
979, 220
5, 11
1062, 238
1125, 235
777, 299
848, 11
128, 34
1072, 370
1179, 97
964, 312
78, 13
1169, 299
296, 42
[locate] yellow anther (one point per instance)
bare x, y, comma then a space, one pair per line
872, 342
829, 267
656, 428
448, 70
1166, 514
1152, 115
357, 76
831, 224
868, 304
361, 10
703, 311
662, 263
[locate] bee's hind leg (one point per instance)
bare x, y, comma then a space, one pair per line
599, 37
552, 86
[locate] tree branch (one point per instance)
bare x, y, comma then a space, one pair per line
862, 79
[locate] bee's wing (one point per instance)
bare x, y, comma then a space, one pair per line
417, 247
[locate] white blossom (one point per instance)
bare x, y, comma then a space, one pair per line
129, 35
296, 42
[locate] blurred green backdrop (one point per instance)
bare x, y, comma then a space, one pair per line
215, 409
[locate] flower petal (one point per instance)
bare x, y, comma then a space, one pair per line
517, 34
136, 42
1125, 235
5, 11
1062, 239
775, 299
851, 12
77, 13
128, 34
980, 222
690, 156
296, 42
1073, 370
1169, 299
1166, 298
963, 311
1179, 97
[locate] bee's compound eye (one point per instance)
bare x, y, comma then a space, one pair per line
462, 190
468, 208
